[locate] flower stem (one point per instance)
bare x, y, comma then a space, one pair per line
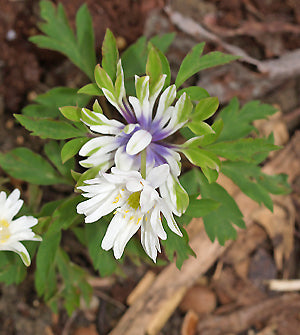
143, 163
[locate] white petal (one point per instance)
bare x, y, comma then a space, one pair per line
109, 142
158, 175
156, 224
138, 142
156, 90
124, 161
170, 219
128, 230
19, 249
22, 223
166, 99
136, 106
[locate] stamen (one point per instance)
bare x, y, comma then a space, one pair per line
117, 198
134, 200
4, 231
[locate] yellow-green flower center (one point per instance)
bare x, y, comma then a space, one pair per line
4, 231
134, 200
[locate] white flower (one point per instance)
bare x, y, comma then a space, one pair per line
120, 144
14, 231
136, 203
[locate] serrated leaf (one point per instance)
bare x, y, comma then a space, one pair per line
219, 223
60, 37
193, 62
244, 149
238, 123
23, 164
48, 128
85, 40
71, 148
177, 246
201, 207
254, 183
110, 54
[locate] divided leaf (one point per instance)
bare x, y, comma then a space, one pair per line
193, 62
255, 184
60, 37
219, 223
238, 123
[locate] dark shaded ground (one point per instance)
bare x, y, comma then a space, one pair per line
263, 29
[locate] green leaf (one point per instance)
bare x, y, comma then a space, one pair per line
85, 40
71, 113
219, 223
134, 58
193, 62
254, 183
238, 123
12, 269
196, 93
91, 89
110, 54
209, 138
23, 164
201, 207
52, 150
200, 128
153, 68
47, 128
205, 109
165, 68
103, 261
244, 149
74, 280
177, 246
189, 182
60, 37
45, 274
47, 104
65, 214
88, 174
71, 148
103, 79
204, 159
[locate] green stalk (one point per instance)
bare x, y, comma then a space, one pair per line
143, 163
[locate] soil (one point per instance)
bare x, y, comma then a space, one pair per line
265, 30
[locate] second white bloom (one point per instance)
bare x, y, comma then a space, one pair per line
136, 202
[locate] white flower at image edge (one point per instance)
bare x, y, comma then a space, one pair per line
14, 231
136, 204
